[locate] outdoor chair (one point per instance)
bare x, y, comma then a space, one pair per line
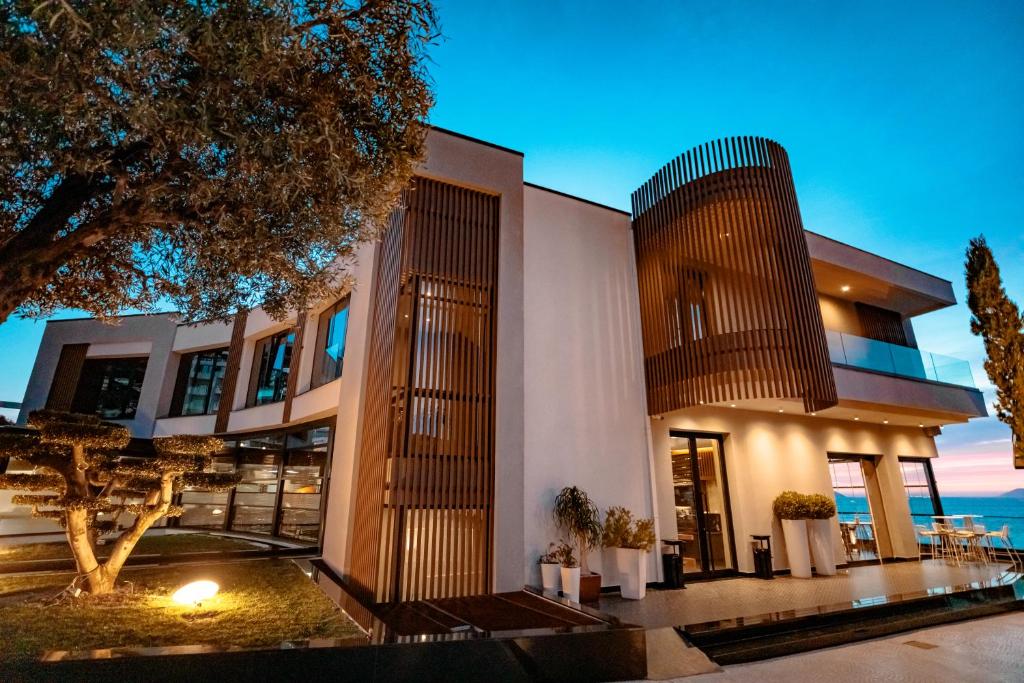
923, 536
1003, 535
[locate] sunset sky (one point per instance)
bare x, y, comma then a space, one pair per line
902, 123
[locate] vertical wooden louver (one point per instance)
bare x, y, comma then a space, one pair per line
727, 298
231, 370
881, 324
423, 518
66, 376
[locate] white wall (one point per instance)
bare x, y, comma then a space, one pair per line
767, 453
585, 413
149, 335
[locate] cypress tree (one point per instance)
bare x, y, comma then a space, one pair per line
997, 320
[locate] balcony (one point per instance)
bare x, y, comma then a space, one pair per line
900, 361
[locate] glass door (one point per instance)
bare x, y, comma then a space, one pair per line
701, 495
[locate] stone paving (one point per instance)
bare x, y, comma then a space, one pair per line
745, 597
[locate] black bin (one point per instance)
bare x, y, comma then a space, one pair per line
672, 564
763, 557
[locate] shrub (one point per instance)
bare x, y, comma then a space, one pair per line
790, 505
622, 531
566, 556
551, 556
820, 506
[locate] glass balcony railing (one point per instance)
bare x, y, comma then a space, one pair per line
893, 359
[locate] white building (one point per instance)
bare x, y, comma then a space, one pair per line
504, 340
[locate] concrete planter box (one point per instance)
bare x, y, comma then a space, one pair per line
632, 567
821, 546
797, 551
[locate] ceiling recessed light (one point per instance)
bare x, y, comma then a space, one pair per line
885, 422
844, 288
780, 410
813, 414
856, 419
920, 425
732, 405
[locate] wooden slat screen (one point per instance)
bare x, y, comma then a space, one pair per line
424, 518
727, 298
881, 324
66, 376
230, 383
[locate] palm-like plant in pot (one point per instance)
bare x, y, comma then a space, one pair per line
577, 515
632, 540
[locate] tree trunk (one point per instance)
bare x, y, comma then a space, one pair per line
125, 543
76, 523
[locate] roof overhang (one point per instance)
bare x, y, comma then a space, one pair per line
873, 279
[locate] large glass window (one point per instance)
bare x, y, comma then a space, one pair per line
853, 507
281, 493
200, 377
919, 484
110, 387
270, 367
330, 343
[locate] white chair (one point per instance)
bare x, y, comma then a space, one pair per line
924, 536
1003, 535
949, 548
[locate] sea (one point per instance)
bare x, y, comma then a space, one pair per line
990, 511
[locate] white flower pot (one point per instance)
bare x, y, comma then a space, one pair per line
632, 566
821, 546
797, 551
549, 575
571, 583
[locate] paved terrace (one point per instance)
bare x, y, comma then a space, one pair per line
726, 599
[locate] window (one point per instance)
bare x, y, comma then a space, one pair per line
110, 387
330, 343
919, 483
281, 492
200, 376
270, 365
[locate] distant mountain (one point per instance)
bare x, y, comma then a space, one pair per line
1016, 493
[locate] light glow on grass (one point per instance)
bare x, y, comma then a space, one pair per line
194, 593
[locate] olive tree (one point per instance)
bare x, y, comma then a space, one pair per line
215, 154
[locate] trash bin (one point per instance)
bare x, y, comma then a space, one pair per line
762, 557
672, 563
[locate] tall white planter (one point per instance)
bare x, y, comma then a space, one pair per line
571, 583
821, 546
549, 575
797, 551
632, 566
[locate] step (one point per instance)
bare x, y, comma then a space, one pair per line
780, 634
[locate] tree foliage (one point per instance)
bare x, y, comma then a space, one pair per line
82, 480
217, 154
997, 320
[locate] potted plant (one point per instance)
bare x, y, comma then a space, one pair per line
549, 566
791, 509
570, 571
578, 516
820, 510
632, 540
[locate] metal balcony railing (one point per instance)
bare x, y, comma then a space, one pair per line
893, 359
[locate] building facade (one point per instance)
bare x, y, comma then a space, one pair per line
689, 361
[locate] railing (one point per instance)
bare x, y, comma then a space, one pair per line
893, 359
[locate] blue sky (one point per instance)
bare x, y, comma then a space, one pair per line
903, 123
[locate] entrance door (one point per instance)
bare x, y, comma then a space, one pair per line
701, 494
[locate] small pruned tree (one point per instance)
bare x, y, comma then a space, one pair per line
83, 481
216, 155
998, 321
578, 516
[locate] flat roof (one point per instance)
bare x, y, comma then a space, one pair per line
578, 199
455, 134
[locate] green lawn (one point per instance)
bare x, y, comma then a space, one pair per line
261, 603
164, 544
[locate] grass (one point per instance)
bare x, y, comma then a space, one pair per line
163, 544
261, 603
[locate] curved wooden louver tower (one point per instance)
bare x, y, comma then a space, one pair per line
727, 297
423, 517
